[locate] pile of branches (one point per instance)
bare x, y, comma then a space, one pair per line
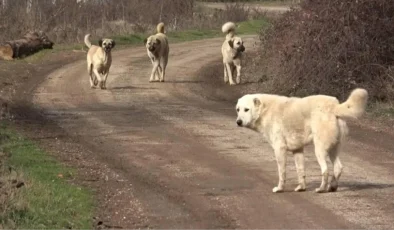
331, 47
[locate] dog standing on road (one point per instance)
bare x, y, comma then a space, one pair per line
99, 59
232, 50
158, 51
290, 123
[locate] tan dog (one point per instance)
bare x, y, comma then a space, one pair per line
99, 60
232, 50
290, 123
158, 51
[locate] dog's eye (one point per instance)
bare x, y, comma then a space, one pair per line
239, 43
246, 110
238, 110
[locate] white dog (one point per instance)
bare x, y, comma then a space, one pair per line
290, 123
232, 49
158, 51
99, 60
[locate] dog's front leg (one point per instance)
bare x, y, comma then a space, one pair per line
158, 73
238, 79
230, 74
104, 86
98, 76
225, 74
280, 155
154, 69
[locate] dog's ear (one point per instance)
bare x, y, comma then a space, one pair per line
158, 41
101, 42
113, 43
256, 102
231, 43
145, 41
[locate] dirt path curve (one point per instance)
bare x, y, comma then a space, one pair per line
185, 163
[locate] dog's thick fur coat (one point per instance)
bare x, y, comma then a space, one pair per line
158, 50
99, 60
232, 49
290, 123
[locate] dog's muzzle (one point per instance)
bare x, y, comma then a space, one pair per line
239, 122
242, 48
107, 49
151, 49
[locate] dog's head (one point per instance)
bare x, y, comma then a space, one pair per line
152, 43
237, 44
107, 44
248, 110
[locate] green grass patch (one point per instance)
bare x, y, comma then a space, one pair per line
48, 200
244, 28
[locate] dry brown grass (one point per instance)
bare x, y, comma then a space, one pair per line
330, 47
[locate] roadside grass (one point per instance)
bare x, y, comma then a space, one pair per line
46, 198
124, 41
262, 3
381, 110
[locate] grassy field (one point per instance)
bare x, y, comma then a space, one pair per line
39, 194
247, 27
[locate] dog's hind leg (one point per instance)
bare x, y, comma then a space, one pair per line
163, 63
281, 157
333, 154
300, 165
90, 71
321, 154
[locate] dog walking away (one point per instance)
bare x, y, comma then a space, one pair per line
99, 60
290, 123
158, 51
232, 50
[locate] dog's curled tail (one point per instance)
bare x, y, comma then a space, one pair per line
354, 106
87, 41
160, 28
229, 28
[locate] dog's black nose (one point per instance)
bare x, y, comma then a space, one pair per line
242, 48
239, 122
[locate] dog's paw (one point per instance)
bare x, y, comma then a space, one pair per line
300, 188
232, 83
332, 188
238, 81
161, 80
277, 190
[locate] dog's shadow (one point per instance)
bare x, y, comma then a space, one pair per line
357, 186
346, 186
184, 81
131, 87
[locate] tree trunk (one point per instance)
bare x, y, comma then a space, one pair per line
31, 43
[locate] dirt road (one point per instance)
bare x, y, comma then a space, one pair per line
179, 161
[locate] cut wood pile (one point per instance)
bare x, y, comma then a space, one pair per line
31, 43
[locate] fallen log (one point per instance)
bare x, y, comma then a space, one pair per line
31, 43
